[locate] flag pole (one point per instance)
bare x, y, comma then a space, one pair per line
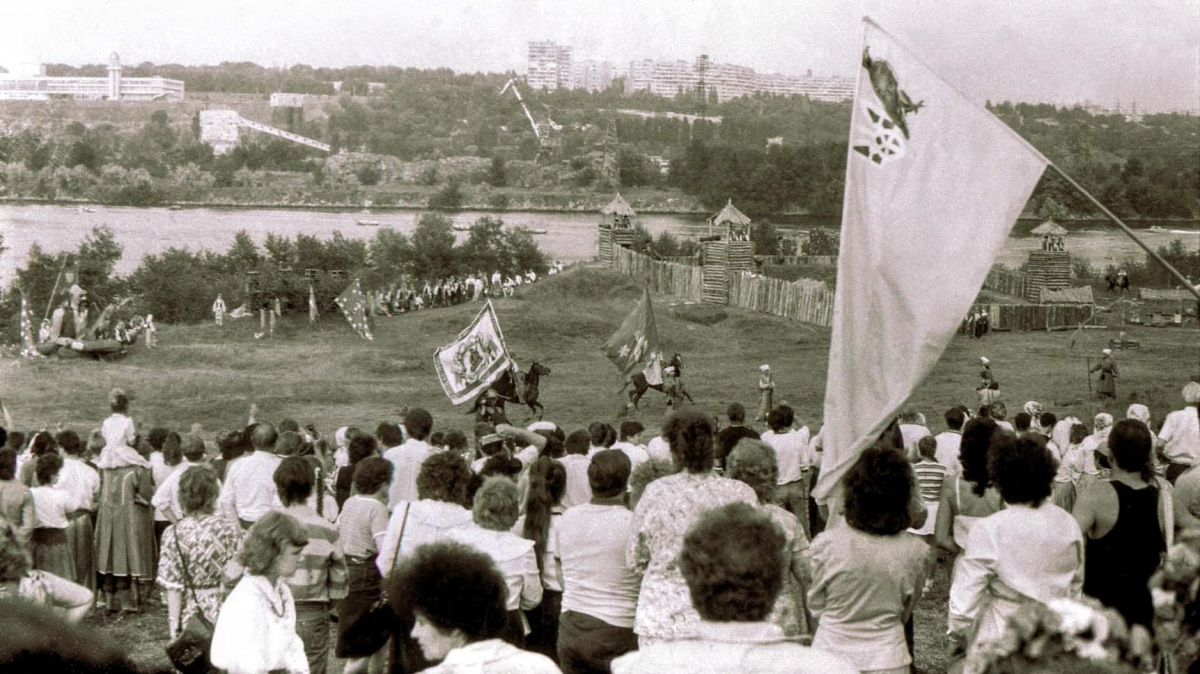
1125, 228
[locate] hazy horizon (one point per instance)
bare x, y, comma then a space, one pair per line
1097, 51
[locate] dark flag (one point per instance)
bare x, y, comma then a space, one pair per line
631, 345
354, 304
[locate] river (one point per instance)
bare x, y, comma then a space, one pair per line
570, 237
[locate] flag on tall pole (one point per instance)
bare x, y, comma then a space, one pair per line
934, 183
631, 345
312, 304
475, 359
28, 345
354, 305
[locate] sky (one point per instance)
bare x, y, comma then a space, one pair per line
1053, 51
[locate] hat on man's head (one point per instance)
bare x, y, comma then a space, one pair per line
984, 360
764, 367
1107, 352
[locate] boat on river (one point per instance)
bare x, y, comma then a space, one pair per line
461, 228
368, 223
85, 209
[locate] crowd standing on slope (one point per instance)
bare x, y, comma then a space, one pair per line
505, 549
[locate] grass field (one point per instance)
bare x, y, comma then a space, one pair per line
328, 376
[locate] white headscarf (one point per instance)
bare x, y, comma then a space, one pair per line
1140, 412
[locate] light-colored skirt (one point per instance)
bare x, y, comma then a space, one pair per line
930, 522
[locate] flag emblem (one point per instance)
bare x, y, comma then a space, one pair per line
475, 359
636, 339
354, 305
881, 134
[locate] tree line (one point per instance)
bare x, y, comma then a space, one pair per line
179, 284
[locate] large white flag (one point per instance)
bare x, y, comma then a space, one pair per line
934, 183
475, 359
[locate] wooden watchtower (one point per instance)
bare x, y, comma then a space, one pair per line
726, 253
1049, 267
616, 227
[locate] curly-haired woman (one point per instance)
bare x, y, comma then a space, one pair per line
495, 513
458, 597
754, 462
1030, 550
667, 508
197, 548
733, 560
868, 574
256, 630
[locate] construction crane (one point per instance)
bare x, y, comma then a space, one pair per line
544, 131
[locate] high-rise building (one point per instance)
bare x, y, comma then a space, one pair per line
592, 75
549, 66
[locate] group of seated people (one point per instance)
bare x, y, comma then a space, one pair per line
540, 550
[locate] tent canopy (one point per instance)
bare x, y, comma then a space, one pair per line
618, 207
1049, 228
730, 214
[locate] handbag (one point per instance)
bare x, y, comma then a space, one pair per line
372, 629
190, 650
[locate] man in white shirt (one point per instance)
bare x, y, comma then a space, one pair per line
249, 489
408, 457
166, 497
912, 429
949, 441
576, 463
1179, 438
795, 463
631, 443
600, 591
77, 478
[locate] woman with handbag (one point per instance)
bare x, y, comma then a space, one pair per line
195, 551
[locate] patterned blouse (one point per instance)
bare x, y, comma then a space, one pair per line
668, 507
788, 613
208, 542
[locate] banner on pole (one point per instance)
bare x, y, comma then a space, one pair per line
934, 183
475, 359
354, 305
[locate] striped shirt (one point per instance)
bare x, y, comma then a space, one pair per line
929, 478
363, 522
321, 572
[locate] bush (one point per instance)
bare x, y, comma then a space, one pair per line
368, 175
449, 198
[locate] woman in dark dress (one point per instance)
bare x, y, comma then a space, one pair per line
1125, 525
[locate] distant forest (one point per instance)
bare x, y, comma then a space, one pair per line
1146, 167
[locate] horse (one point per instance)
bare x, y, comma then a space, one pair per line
1117, 282
505, 390
675, 394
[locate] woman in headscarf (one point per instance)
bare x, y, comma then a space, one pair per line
1139, 412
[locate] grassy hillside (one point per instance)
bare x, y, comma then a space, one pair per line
328, 376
